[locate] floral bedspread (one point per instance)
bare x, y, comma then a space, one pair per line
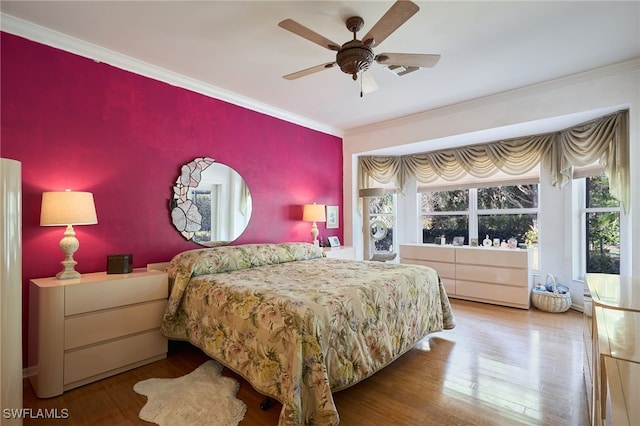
297, 325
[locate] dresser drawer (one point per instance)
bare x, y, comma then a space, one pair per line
493, 293
492, 275
113, 291
449, 286
446, 270
342, 252
86, 329
425, 252
491, 257
94, 360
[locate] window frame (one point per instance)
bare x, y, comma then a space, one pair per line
473, 212
579, 252
370, 244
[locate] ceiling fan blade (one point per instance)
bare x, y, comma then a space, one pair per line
408, 59
304, 32
397, 15
308, 71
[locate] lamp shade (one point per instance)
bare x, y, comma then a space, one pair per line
314, 213
67, 208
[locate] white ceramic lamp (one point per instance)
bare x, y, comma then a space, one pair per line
68, 208
314, 213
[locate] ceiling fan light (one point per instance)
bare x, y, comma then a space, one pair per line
354, 57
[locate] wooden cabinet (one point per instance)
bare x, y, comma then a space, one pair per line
623, 380
491, 275
82, 330
341, 252
612, 371
442, 259
587, 336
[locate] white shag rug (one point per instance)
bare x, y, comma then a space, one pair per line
202, 397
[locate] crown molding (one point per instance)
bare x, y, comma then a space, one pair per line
619, 68
58, 40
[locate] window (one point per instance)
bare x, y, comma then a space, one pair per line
506, 212
381, 223
600, 221
499, 212
445, 213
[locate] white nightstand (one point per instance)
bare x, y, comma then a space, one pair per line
340, 252
86, 329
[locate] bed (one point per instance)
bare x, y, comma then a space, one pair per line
297, 325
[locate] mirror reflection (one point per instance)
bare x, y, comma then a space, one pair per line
211, 203
378, 230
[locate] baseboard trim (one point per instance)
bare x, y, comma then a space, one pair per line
29, 372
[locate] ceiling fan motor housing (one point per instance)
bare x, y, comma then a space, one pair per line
354, 57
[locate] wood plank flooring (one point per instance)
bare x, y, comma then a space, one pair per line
499, 366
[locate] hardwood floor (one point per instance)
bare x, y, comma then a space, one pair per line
499, 366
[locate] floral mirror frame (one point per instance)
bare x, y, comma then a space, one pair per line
211, 203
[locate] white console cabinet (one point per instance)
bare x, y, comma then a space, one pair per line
491, 275
83, 330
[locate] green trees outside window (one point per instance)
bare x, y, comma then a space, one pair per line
501, 212
602, 214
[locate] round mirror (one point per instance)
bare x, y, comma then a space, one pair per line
378, 230
211, 203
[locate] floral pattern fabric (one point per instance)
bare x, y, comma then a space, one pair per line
299, 326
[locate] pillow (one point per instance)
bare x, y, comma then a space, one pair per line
231, 258
204, 261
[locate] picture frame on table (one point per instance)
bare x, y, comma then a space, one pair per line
332, 217
458, 241
333, 241
473, 242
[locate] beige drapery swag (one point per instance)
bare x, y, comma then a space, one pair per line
605, 139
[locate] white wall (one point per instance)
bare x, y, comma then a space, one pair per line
549, 106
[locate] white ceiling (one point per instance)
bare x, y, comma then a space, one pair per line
235, 51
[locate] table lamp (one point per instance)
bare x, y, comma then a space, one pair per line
314, 213
68, 208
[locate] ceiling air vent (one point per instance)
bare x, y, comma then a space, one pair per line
401, 70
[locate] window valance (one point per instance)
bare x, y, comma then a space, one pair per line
605, 139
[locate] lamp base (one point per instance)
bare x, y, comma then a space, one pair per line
314, 234
68, 273
68, 244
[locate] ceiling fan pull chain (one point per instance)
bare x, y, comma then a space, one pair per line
360, 83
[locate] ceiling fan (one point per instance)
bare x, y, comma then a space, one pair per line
355, 56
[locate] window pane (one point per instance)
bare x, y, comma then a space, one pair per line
522, 227
433, 227
603, 242
508, 197
381, 205
445, 201
598, 193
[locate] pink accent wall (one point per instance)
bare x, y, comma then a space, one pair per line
75, 123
